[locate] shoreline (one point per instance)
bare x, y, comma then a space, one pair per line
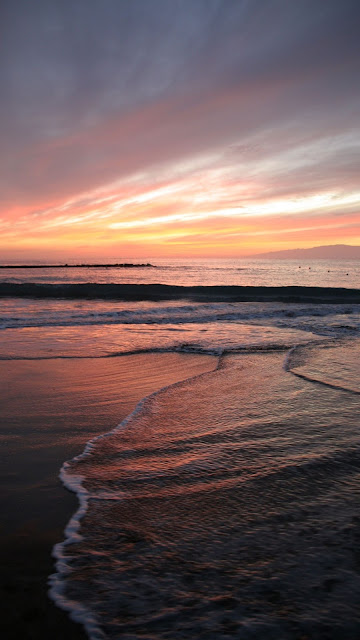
51, 409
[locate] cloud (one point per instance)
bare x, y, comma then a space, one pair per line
259, 99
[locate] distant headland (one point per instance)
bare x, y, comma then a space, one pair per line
326, 252
124, 265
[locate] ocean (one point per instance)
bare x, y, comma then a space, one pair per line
226, 505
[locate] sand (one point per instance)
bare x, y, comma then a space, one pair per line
49, 410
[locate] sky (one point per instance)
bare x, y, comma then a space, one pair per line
199, 128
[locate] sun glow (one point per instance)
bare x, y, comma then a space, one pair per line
223, 133
194, 212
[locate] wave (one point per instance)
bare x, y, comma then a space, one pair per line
327, 383
94, 313
181, 348
320, 295
331, 363
212, 507
78, 612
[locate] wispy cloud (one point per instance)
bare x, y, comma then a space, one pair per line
139, 118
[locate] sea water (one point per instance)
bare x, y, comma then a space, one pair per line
206, 272
227, 505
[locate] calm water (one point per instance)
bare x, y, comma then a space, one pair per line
225, 506
185, 272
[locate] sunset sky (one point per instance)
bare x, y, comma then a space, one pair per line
139, 128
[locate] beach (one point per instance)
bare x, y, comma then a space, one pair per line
228, 505
178, 461
49, 410
180, 320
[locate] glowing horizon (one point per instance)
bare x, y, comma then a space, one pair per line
224, 142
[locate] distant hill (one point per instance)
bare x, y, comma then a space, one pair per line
328, 252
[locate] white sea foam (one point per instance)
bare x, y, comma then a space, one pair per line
17, 313
239, 472
75, 483
258, 434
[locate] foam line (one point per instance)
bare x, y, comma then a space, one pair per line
78, 612
289, 367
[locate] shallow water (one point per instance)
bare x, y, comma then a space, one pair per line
226, 505
63, 328
333, 364
321, 273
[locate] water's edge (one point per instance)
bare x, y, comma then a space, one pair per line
78, 612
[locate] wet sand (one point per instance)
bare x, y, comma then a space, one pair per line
49, 410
